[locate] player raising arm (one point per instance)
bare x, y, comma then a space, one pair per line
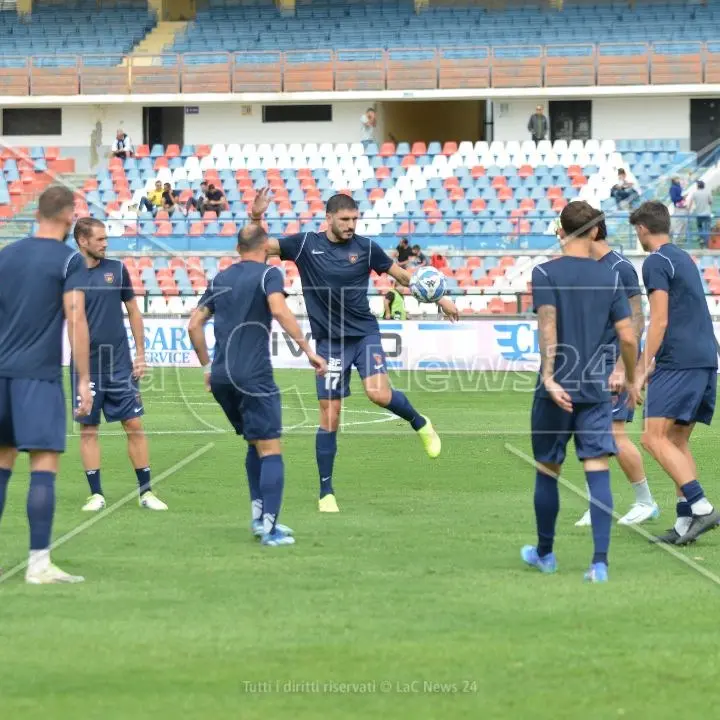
681, 389
243, 300
334, 269
576, 298
113, 374
40, 277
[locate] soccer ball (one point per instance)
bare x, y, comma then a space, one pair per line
428, 284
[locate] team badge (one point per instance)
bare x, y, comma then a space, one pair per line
109, 278
353, 258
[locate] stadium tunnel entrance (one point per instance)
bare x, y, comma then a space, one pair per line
430, 120
164, 125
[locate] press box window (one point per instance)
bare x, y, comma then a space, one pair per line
32, 121
297, 113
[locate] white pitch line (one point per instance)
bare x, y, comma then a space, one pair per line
384, 419
284, 407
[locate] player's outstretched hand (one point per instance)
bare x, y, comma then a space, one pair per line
617, 380
559, 395
84, 399
261, 203
319, 363
448, 307
139, 367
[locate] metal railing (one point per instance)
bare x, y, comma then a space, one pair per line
369, 69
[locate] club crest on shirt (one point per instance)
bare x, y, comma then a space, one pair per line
109, 278
353, 258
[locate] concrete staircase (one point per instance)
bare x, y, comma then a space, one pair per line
159, 38
21, 224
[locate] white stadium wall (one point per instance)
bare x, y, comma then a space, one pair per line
79, 121
210, 123
618, 118
230, 123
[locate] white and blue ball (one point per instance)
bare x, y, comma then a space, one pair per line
428, 284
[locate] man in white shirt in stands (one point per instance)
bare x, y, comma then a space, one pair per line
701, 207
369, 124
122, 147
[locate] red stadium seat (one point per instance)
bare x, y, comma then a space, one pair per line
498, 181
387, 149
142, 151
554, 192
477, 171
383, 172
418, 148
527, 204
408, 160
504, 193
478, 205
450, 148
525, 171
172, 151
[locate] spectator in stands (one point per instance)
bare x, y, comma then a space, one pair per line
538, 124
197, 201
153, 201
122, 147
369, 125
168, 199
403, 252
676, 193
418, 259
624, 190
215, 200
701, 207
394, 304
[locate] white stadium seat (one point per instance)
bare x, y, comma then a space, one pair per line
218, 149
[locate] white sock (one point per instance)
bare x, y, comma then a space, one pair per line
682, 524
268, 522
39, 560
701, 507
256, 509
642, 492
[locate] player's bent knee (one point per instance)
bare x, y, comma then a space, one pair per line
44, 461
268, 447
380, 396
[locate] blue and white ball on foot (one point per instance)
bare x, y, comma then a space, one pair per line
428, 284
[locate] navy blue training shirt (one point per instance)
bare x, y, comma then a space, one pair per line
109, 286
689, 340
335, 282
588, 297
35, 273
631, 285
237, 297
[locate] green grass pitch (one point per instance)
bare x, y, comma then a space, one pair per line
414, 593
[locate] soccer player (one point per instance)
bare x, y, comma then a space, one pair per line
682, 387
244, 299
576, 298
628, 456
40, 280
113, 374
334, 269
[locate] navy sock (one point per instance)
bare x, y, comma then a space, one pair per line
325, 451
547, 506
4, 480
400, 405
41, 509
143, 479
683, 508
252, 468
693, 492
272, 481
93, 478
601, 505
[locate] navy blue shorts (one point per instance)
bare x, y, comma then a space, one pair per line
620, 411
256, 414
32, 414
118, 398
365, 353
686, 396
552, 428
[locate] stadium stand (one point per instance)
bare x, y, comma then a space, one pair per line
245, 47
471, 196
